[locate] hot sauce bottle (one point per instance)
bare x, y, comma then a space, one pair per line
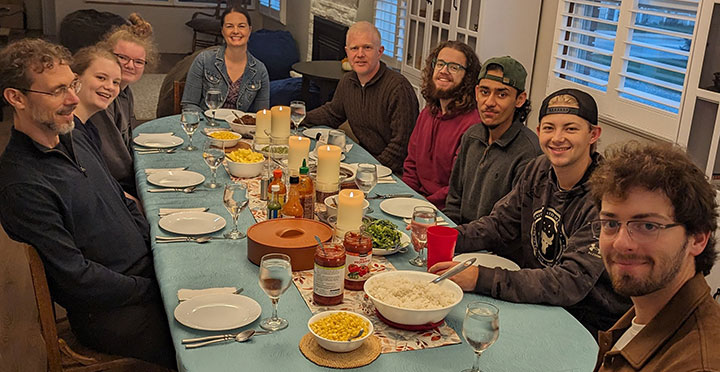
329, 274
358, 246
307, 192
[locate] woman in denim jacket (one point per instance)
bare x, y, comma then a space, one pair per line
242, 79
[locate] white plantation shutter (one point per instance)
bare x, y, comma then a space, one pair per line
275, 9
390, 21
631, 55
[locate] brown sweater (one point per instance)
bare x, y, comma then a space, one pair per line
381, 114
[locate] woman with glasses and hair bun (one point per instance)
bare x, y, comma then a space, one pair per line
135, 49
242, 80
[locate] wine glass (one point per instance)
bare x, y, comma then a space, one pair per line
213, 100
235, 201
337, 137
422, 218
480, 328
297, 113
213, 156
275, 276
190, 120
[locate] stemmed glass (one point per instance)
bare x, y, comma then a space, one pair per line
366, 179
213, 156
235, 201
213, 100
337, 137
422, 218
297, 113
190, 120
275, 276
480, 328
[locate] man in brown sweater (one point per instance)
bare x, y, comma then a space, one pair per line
379, 104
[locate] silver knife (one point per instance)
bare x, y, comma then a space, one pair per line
216, 337
388, 196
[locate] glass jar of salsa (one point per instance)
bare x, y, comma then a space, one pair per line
358, 245
329, 274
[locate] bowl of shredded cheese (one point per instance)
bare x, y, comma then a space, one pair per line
333, 328
245, 163
224, 138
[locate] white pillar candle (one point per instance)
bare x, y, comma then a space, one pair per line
349, 210
328, 169
299, 147
280, 124
262, 125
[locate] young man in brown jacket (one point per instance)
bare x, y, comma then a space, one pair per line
656, 220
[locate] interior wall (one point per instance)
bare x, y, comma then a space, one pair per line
298, 23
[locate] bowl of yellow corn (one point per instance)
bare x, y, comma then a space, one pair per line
245, 163
333, 328
224, 138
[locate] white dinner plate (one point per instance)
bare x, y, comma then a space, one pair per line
313, 132
176, 178
313, 156
382, 171
404, 242
192, 223
402, 207
488, 260
223, 113
160, 141
217, 312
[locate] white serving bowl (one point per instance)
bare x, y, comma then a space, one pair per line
332, 208
242, 128
407, 316
340, 346
245, 170
225, 142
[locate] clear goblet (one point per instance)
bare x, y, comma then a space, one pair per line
366, 179
422, 218
480, 328
297, 113
213, 100
235, 201
190, 120
275, 276
213, 156
337, 137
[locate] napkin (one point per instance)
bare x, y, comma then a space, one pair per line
156, 134
153, 170
387, 179
166, 211
186, 294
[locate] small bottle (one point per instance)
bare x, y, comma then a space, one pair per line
277, 180
307, 192
358, 247
292, 206
265, 182
273, 205
329, 274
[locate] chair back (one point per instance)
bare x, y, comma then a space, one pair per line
178, 88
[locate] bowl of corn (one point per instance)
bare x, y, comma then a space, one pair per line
333, 328
224, 138
245, 163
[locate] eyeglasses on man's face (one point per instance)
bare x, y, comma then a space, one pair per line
453, 67
639, 231
60, 92
125, 59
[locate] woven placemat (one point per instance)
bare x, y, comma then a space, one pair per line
362, 356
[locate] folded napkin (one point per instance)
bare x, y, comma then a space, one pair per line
153, 170
166, 211
186, 294
439, 221
387, 179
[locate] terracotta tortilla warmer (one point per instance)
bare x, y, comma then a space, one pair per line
294, 237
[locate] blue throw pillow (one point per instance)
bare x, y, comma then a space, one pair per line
276, 49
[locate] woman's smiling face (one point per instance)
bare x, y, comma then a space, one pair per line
101, 84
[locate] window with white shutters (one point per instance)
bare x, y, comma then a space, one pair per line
390, 21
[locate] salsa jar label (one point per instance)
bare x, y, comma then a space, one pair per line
328, 281
358, 266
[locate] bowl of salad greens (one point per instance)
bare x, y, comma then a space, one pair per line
385, 234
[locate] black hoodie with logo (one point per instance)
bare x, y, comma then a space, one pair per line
546, 231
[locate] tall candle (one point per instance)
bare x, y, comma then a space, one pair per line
280, 124
328, 169
262, 124
349, 210
299, 147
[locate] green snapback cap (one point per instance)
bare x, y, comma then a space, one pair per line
514, 73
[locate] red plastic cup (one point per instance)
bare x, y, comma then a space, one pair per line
440, 244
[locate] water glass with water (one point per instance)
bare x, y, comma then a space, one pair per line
190, 120
422, 218
481, 329
297, 113
275, 277
213, 100
213, 156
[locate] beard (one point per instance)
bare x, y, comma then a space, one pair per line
47, 119
629, 285
445, 93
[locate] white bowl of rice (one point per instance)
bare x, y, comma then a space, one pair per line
407, 297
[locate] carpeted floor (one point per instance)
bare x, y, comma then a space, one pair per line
146, 92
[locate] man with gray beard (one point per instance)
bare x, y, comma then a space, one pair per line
57, 195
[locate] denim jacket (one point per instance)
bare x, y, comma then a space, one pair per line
208, 71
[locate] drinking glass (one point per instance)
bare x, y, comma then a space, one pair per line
480, 329
213, 100
213, 156
297, 113
234, 198
366, 177
190, 120
422, 218
337, 137
275, 276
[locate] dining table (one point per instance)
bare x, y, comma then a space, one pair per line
532, 337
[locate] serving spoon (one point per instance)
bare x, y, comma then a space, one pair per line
455, 270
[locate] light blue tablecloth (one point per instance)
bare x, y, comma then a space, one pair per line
532, 337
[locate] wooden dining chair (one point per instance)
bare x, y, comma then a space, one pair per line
29, 338
178, 88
